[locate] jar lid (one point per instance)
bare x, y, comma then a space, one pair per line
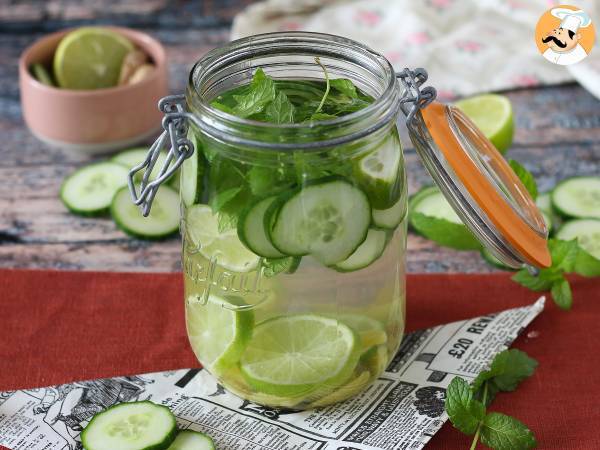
480, 185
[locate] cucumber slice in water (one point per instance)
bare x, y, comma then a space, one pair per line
89, 191
328, 218
192, 175
252, 232
192, 440
131, 426
380, 175
367, 252
434, 218
578, 197
390, 218
163, 220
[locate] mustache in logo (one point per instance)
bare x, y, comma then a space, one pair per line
555, 40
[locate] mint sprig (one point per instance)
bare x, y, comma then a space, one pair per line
466, 405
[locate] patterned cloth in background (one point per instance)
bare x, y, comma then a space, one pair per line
467, 46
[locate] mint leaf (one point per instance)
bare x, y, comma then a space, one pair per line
322, 116
261, 92
222, 107
273, 266
564, 254
280, 110
508, 369
444, 232
526, 177
345, 86
541, 282
586, 265
464, 411
218, 201
561, 293
502, 432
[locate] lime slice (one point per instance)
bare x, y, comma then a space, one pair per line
219, 330
350, 389
225, 248
375, 360
371, 331
90, 58
297, 354
493, 115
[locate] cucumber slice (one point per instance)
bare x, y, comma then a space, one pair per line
367, 252
544, 202
416, 198
578, 197
492, 260
192, 440
133, 157
89, 191
252, 232
587, 233
390, 218
192, 175
131, 426
434, 218
163, 220
328, 219
380, 174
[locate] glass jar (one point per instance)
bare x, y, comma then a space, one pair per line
312, 313
294, 235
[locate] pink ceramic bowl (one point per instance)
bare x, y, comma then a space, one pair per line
93, 121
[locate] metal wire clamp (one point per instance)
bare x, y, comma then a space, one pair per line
180, 147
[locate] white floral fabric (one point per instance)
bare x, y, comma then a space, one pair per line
467, 46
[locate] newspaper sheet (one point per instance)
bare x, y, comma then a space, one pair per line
403, 409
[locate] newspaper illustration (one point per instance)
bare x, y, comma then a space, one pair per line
402, 409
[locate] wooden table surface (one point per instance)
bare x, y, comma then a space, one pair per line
557, 136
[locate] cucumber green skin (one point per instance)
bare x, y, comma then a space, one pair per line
457, 236
168, 440
380, 195
80, 212
557, 208
272, 213
242, 232
115, 216
490, 259
416, 198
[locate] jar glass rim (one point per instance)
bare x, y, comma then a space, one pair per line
385, 106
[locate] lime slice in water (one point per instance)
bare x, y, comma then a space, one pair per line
371, 331
296, 354
90, 58
225, 248
493, 115
219, 330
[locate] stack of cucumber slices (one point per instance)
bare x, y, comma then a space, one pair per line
571, 211
101, 188
140, 426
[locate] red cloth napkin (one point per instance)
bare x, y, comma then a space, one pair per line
58, 327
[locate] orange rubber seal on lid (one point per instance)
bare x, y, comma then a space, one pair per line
516, 231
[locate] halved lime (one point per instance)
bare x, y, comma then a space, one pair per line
350, 389
493, 115
225, 248
371, 331
90, 58
296, 354
219, 330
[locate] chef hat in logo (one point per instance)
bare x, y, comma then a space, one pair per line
572, 19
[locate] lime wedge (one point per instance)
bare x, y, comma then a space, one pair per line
297, 354
219, 330
90, 58
225, 248
371, 331
350, 389
493, 115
